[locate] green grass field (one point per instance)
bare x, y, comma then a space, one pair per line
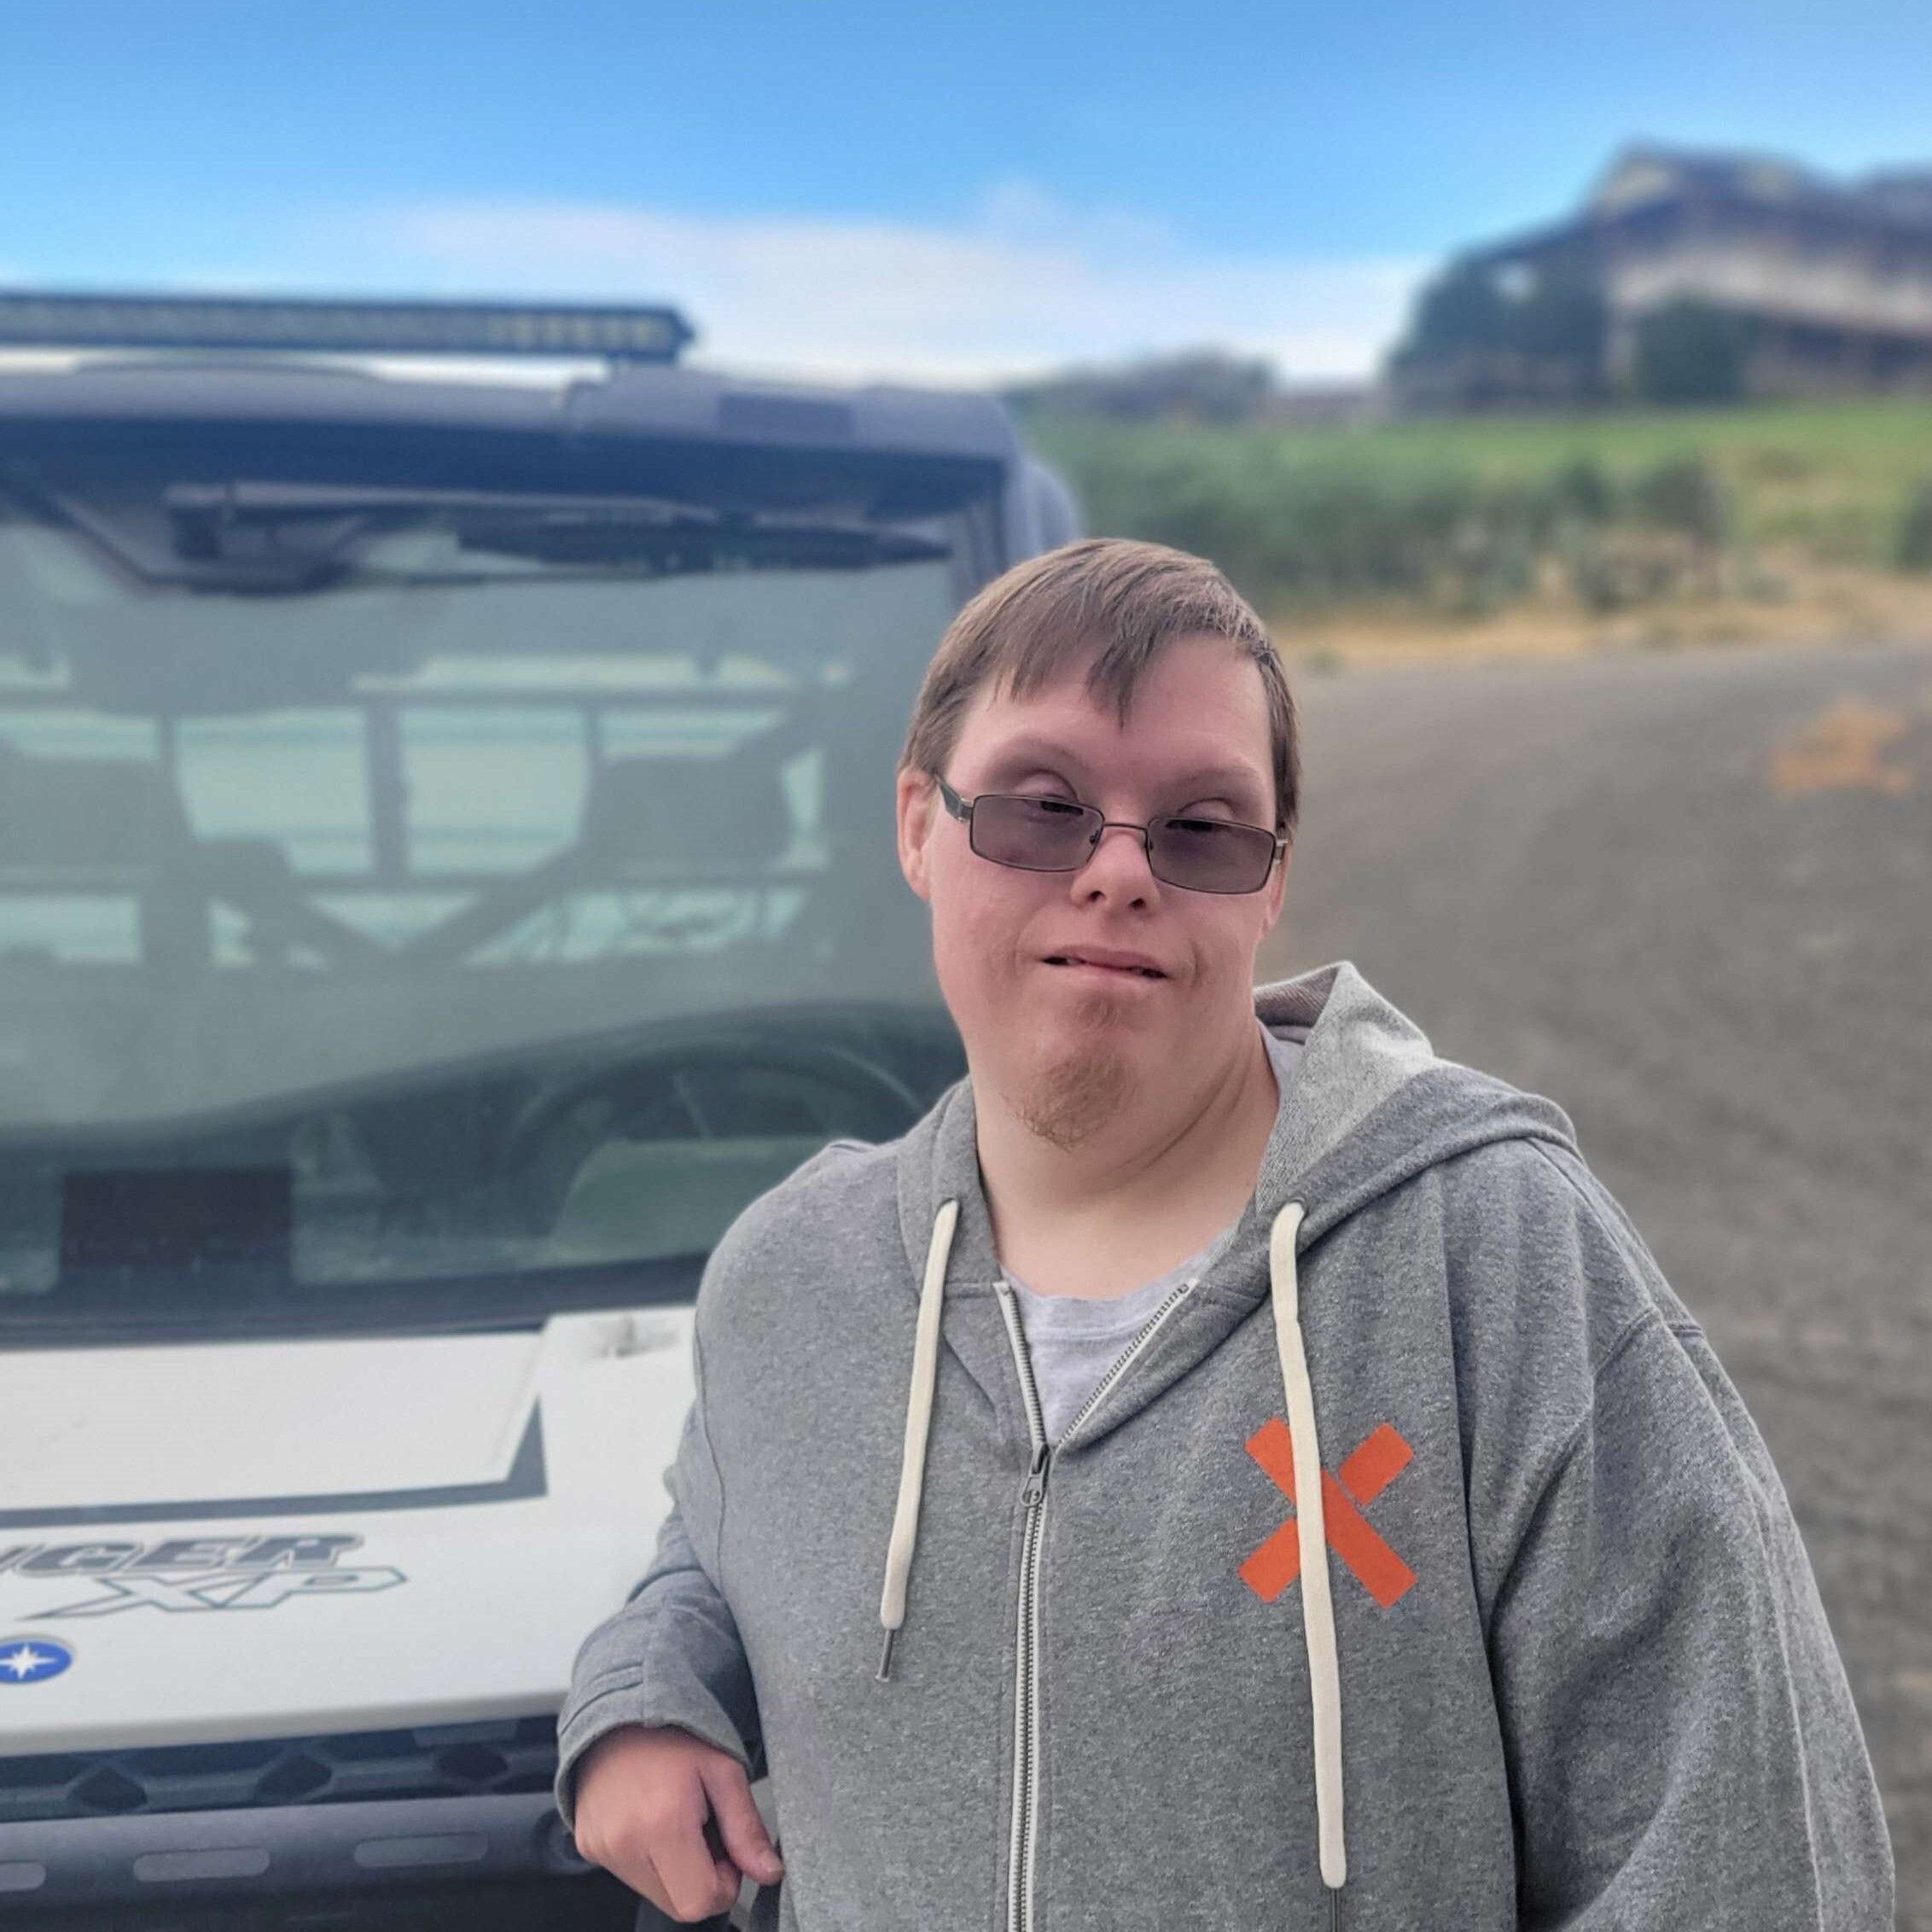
1295, 513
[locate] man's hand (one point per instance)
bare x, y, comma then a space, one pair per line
644, 1794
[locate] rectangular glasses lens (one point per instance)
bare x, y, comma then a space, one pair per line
1210, 857
1042, 834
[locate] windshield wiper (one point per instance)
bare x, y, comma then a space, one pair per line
766, 541
664, 535
293, 539
207, 518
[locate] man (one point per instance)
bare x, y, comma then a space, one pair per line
998, 1532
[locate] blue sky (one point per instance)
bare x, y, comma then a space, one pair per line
946, 193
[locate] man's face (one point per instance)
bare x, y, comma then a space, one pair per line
1069, 1045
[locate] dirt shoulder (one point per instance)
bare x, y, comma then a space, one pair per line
1814, 604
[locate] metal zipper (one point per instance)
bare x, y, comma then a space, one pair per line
1024, 1835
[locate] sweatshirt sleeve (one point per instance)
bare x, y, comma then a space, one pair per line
1681, 1744
673, 1655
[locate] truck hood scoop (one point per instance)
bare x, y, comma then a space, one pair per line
260, 1429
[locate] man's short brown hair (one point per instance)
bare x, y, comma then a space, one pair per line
1122, 599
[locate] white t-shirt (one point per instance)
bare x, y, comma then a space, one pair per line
1073, 1340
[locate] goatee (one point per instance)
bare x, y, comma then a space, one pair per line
1072, 1096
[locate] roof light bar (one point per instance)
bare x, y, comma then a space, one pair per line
57, 320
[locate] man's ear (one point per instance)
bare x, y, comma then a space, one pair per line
915, 796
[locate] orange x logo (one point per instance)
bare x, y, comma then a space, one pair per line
1381, 1457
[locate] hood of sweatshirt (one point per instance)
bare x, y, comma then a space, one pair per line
1370, 1105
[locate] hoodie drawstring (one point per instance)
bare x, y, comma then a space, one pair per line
918, 1427
1318, 1609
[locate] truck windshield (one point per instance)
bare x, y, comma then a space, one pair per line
397, 891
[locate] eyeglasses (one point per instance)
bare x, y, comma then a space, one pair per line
1055, 834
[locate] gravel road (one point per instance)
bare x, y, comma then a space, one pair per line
1688, 895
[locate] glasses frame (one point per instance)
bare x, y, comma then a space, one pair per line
962, 809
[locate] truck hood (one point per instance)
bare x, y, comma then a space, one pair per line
267, 1539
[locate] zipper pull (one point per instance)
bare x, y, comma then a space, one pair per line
1036, 1476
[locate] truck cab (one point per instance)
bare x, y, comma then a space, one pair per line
446, 873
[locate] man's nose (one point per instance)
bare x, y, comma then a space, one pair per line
1118, 860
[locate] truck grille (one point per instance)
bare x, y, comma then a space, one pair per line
450, 1760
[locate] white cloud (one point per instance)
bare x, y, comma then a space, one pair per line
1024, 284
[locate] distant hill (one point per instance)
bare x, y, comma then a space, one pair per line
1199, 386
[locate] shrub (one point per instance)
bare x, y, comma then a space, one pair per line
1913, 545
1684, 493
1582, 490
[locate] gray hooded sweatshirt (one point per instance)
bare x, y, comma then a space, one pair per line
1540, 1646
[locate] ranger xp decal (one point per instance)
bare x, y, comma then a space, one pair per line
190, 1573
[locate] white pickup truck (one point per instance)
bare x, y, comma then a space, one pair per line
445, 872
